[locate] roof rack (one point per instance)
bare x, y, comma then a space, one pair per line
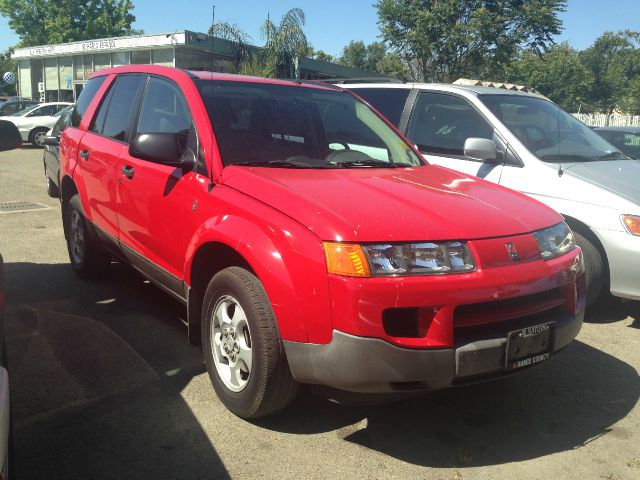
344, 81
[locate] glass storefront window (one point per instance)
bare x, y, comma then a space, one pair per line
119, 58
163, 57
141, 57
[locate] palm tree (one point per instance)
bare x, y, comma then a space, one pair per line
286, 41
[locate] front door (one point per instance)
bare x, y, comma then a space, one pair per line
155, 200
439, 125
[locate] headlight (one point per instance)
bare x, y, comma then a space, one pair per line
555, 241
631, 223
419, 258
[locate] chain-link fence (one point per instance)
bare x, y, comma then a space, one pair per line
606, 120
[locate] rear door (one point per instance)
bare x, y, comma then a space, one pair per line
101, 147
156, 201
439, 125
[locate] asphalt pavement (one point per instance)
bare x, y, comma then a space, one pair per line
105, 385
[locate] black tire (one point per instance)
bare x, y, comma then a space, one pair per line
594, 266
52, 189
88, 258
269, 387
36, 136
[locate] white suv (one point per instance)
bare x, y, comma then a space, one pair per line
525, 142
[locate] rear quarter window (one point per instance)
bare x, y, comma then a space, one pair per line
388, 101
88, 92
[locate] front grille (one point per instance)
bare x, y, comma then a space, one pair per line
511, 308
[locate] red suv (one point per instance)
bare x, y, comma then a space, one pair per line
309, 241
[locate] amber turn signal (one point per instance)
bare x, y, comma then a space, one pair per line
346, 259
632, 223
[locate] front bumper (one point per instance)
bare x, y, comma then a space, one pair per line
371, 365
623, 254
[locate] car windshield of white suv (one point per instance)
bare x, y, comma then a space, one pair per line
272, 125
549, 132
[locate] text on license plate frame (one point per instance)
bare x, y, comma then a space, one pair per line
528, 346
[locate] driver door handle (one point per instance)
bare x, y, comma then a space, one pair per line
127, 171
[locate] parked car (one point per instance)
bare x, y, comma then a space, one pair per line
9, 139
36, 121
625, 139
51, 155
525, 142
309, 242
13, 106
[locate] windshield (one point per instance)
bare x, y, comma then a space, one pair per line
24, 111
262, 124
550, 133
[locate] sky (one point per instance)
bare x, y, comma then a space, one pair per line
331, 24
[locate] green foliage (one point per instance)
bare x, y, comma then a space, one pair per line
375, 58
7, 65
40, 22
614, 60
286, 41
442, 40
558, 73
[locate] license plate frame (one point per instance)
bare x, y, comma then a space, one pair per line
529, 345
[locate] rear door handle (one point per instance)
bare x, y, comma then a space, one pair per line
84, 154
127, 171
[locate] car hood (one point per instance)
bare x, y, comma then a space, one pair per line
621, 177
386, 204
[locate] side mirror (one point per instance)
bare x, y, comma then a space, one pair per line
158, 147
52, 140
481, 149
9, 136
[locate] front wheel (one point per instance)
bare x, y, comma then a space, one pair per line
242, 347
595, 270
37, 136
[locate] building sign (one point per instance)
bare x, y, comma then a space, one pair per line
125, 43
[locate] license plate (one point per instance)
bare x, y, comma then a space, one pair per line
529, 346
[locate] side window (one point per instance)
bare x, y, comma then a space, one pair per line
388, 101
163, 109
61, 124
120, 105
441, 123
48, 110
88, 92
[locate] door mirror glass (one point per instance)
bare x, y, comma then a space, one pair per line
9, 136
481, 149
158, 147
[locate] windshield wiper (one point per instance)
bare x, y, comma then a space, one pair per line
272, 163
613, 156
368, 163
567, 157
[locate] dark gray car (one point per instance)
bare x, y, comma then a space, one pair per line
51, 155
625, 139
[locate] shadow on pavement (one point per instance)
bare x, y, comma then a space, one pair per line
609, 309
562, 405
97, 370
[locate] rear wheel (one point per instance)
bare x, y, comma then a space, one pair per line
242, 347
88, 258
594, 268
37, 136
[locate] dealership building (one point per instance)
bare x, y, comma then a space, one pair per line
58, 72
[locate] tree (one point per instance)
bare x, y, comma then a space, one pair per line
442, 40
614, 60
373, 57
40, 22
558, 74
7, 65
285, 41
